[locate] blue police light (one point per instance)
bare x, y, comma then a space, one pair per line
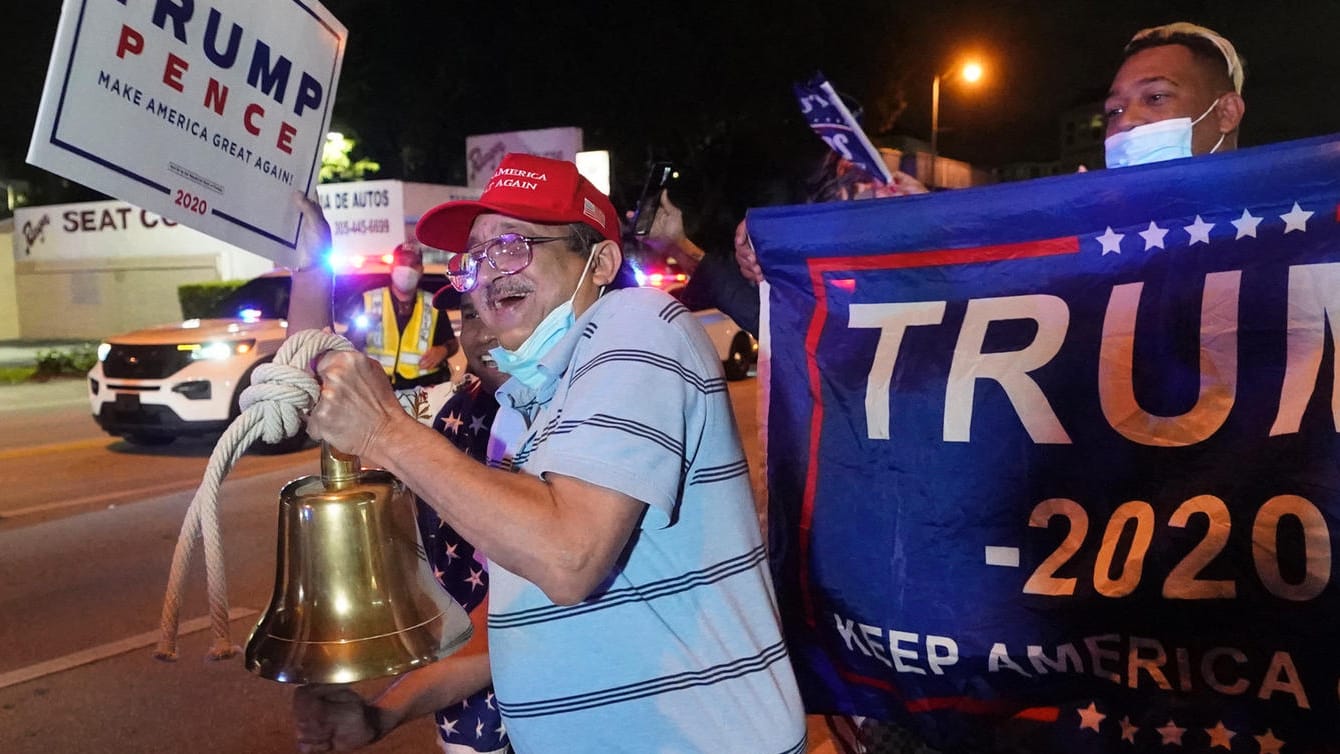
661, 280
638, 274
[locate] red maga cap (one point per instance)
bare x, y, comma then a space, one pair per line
525, 187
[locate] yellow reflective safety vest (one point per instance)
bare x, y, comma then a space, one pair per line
399, 353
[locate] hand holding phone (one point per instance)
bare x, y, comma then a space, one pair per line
662, 173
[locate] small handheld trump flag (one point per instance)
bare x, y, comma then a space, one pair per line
830, 118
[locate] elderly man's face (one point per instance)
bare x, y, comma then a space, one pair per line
511, 306
1160, 83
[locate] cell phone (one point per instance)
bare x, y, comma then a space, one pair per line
662, 173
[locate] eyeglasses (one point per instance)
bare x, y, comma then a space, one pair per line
509, 254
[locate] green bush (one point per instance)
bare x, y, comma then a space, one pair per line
74, 360
199, 300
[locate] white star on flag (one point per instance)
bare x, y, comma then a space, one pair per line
450, 552
1111, 241
479, 729
477, 424
1269, 743
1171, 733
1220, 736
474, 579
452, 423
1199, 231
1090, 717
1128, 729
1246, 225
1295, 219
1153, 236
448, 727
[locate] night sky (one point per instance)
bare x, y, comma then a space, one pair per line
708, 83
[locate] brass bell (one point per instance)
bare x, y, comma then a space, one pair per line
354, 597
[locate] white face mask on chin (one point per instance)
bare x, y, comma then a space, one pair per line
1154, 142
524, 362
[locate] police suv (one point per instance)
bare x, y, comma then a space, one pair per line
184, 379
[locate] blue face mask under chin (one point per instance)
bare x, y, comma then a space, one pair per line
1154, 142
524, 362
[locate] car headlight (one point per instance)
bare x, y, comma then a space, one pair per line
217, 350
103, 350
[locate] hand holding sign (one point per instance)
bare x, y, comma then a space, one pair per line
830, 118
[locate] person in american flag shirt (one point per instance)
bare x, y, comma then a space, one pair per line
336, 718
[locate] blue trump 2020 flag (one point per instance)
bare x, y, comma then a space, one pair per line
1054, 464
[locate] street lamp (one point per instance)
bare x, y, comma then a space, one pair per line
971, 71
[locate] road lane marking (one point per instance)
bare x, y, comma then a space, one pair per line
136, 495
102, 652
55, 447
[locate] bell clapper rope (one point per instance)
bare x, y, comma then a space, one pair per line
274, 408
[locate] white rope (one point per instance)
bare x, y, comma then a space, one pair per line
273, 409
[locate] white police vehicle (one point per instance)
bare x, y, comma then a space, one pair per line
735, 346
737, 349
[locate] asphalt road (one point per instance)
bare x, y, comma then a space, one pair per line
87, 529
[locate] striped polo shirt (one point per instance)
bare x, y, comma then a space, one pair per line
680, 650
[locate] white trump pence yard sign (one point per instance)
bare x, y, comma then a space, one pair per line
208, 113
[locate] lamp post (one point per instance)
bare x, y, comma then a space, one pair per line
972, 73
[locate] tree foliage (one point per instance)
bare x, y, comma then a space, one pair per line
338, 165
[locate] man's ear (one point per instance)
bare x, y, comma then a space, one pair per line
1229, 112
606, 263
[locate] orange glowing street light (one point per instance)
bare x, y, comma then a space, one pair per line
971, 71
